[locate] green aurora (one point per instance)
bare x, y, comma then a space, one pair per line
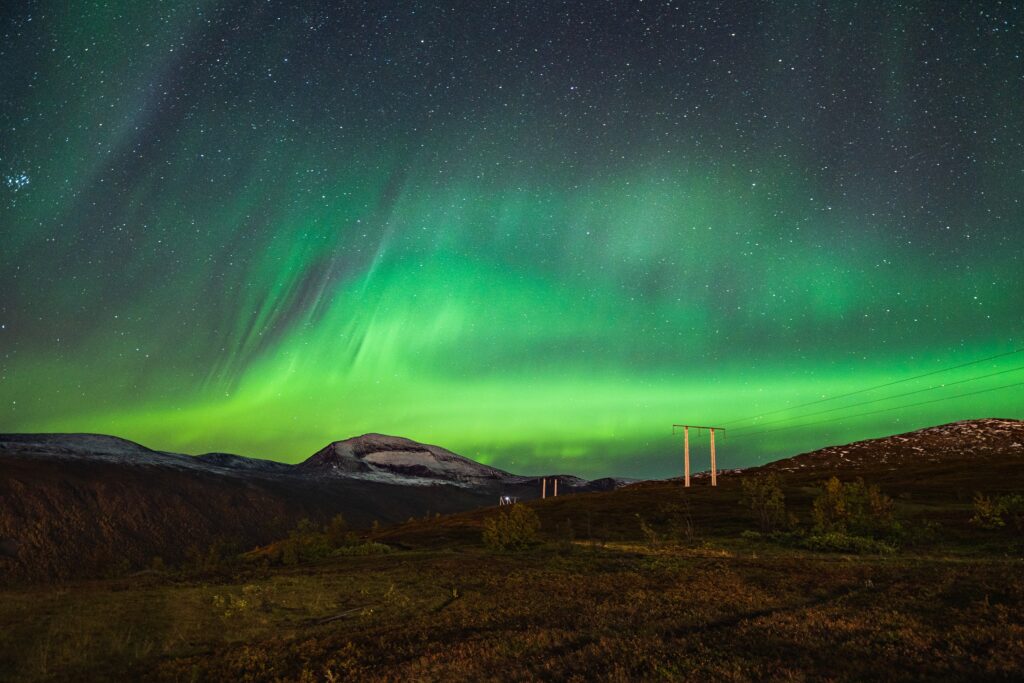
220, 233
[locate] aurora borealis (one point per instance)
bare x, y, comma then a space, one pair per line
535, 233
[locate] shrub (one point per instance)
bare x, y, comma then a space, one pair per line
988, 513
514, 527
855, 508
650, 535
220, 555
307, 542
924, 532
678, 521
1014, 506
360, 549
252, 597
829, 509
290, 553
838, 542
337, 532
999, 511
763, 495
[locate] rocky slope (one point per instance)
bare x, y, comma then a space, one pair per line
983, 440
391, 458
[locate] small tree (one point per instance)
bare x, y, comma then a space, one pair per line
514, 527
871, 511
338, 534
679, 521
853, 507
829, 509
999, 511
763, 495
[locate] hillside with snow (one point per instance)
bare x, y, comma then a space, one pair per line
984, 439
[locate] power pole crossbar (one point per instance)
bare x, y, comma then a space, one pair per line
721, 429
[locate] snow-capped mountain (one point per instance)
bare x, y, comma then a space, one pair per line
381, 457
98, 448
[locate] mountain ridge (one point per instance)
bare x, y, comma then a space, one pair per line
979, 438
398, 456
72, 502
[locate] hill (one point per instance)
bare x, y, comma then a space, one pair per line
382, 457
984, 440
933, 472
82, 504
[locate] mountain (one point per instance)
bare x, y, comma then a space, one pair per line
392, 458
979, 440
95, 447
231, 461
72, 503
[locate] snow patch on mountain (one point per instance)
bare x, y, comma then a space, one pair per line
372, 456
985, 438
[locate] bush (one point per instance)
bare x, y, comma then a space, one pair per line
338, 534
514, 527
923, 533
219, 556
853, 508
838, 542
307, 542
999, 512
763, 495
829, 509
678, 521
360, 549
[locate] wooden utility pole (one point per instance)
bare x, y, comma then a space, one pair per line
544, 488
556, 487
686, 457
714, 468
686, 452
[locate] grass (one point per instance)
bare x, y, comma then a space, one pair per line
623, 611
607, 602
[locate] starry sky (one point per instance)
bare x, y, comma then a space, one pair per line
536, 233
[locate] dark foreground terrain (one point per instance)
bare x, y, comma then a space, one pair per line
649, 582
81, 505
620, 612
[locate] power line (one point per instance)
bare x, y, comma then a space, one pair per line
877, 386
878, 400
885, 410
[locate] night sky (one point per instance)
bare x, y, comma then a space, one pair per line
536, 233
